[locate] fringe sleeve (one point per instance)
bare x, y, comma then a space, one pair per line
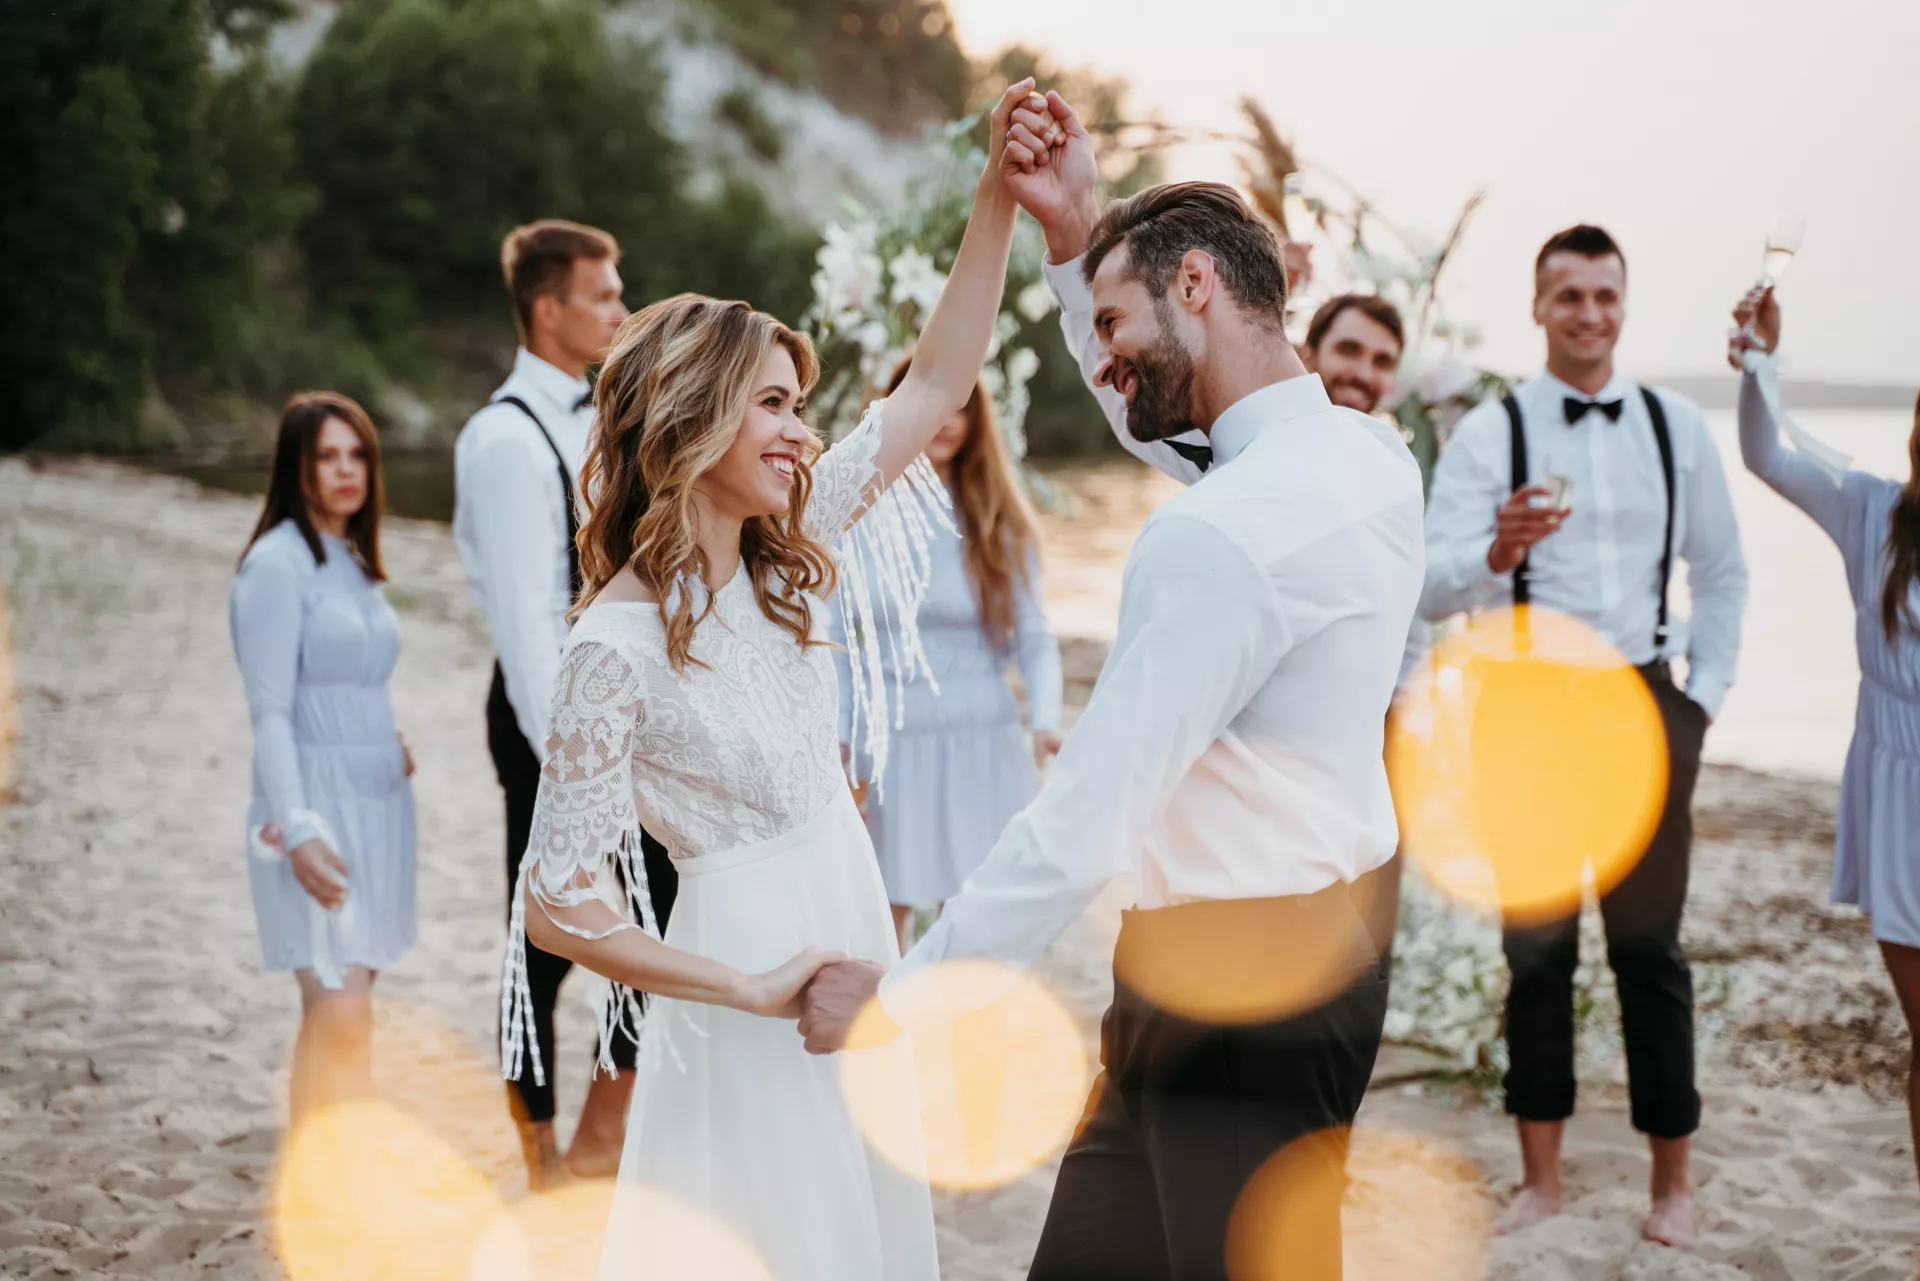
881, 536
585, 826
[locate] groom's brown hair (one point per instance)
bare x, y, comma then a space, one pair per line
1162, 223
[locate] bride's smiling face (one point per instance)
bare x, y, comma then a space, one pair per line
755, 476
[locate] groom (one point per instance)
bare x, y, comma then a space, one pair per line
1230, 756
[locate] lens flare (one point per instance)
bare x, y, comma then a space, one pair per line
364, 1191
1528, 752
1236, 961
1406, 1209
556, 1236
997, 1080
1414, 1210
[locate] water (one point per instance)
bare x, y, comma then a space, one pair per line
1792, 708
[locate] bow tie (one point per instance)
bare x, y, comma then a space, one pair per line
1577, 409
586, 402
1200, 456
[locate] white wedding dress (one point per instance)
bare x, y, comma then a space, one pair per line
734, 764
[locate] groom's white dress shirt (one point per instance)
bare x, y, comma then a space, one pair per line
1232, 746
510, 524
1602, 566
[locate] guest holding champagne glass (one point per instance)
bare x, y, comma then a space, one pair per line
957, 769
1876, 524
331, 823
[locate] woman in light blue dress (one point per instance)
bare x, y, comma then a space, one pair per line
330, 827
1876, 524
958, 766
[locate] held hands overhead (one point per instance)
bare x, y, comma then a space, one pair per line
1756, 319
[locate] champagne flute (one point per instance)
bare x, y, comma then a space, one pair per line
1783, 242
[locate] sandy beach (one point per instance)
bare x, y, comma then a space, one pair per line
142, 1050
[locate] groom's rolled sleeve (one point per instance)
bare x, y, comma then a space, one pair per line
1200, 631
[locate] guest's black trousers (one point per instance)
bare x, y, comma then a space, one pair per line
1187, 1113
1642, 915
518, 769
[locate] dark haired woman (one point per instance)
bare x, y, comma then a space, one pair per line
1876, 523
331, 821
957, 769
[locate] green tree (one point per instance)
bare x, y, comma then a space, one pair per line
429, 128
893, 62
127, 226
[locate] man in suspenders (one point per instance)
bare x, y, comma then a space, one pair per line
1578, 493
516, 474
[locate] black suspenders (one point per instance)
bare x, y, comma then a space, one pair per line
1517, 436
566, 495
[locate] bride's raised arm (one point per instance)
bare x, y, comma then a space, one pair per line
952, 346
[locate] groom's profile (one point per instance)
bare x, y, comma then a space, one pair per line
1230, 755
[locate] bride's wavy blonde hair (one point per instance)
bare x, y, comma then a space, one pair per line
669, 402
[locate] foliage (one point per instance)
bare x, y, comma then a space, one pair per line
1310, 204
740, 107
894, 62
879, 276
429, 128
139, 176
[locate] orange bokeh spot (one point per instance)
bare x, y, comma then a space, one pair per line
1527, 752
1394, 1207
556, 1236
364, 1191
997, 1080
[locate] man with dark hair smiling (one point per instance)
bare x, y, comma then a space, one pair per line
1645, 486
1230, 756
1354, 343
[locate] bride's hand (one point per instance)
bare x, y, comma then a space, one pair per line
778, 994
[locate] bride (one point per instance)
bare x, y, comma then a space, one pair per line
698, 695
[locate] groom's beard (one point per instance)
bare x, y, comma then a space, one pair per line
1163, 395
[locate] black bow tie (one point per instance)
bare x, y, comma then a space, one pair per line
586, 402
1200, 456
1577, 409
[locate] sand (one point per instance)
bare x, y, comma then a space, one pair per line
142, 1050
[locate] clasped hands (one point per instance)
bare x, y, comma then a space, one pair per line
833, 999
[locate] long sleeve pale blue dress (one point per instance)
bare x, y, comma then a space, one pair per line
1876, 863
316, 643
958, 766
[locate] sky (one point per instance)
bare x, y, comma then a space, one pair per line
1682, 126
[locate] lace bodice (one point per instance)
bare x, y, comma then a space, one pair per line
737, 748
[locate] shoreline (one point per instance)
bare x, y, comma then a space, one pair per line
142, 1073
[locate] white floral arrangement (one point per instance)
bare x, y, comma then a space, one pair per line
877, 278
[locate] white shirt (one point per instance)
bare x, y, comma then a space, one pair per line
1232, 746
1603, 566
510, 524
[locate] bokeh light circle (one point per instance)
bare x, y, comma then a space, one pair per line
556, 1236
1525, 752
1409, 1209
1244, 960
996, 1083
364, 1191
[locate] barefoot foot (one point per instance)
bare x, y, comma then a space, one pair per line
1671, 1222
1526, 1209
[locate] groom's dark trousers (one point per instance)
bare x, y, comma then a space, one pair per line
1191, 1114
